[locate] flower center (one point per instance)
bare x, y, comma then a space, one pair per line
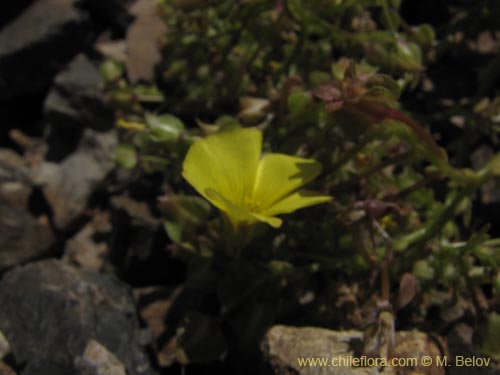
252, 205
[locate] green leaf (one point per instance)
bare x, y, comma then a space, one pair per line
164, 128
111, 70
302, 107
174, 230
280, 267
403, 56
184, 215
126, 156
424, 35
486, 337
298, 101
391, 88
380, 95
317, 78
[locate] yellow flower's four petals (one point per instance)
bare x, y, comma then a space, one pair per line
278, 175
225, 168
294, 201
225, 162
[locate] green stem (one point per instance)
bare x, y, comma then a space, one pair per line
413, 251
401, 159
350, 154
387, 16
410, 189
243, 297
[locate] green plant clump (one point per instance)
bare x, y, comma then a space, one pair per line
338, 83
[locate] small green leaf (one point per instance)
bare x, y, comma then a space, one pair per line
318, 78
111, 70
174, 230
126, 156
424, 35
486, 337
280, 267
164, 128
302, 108
390, 87
184, 215
380, 95
422, 270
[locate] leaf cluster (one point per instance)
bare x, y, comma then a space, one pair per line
323, 80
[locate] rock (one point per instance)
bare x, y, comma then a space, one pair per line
44, 37
51, 312
139, 211
112, 49
143, 41
15, 179
97, 360
460, 344
76, 98
4, 346
11, 9
68, 186
6, 370
84, 250
416, 345
282, 346
34, 149
23, 237
155, 304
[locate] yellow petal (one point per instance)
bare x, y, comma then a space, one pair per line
278, 175
225, 162
238, 215
272, 221
235, 214
299, 199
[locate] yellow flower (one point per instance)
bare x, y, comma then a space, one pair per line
227, 169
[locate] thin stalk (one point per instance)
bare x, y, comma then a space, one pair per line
410, 189
401, 159
387, 16
350, 154
414, 250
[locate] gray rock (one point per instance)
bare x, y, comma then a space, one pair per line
156, 303
51, 312
76, 98
4, 346
460, 344
97, 360
68, 185
143, 41
6, 370
84, 250
283, 346
44, 37
9, 10
15, 181
22, 236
